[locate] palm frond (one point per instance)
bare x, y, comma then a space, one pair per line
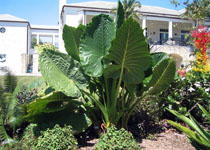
10, 83
4, 137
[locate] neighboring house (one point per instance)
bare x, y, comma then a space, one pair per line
17, 40
165, 28
14, 42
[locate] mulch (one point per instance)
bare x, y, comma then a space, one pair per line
167, 140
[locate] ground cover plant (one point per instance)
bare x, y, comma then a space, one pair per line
115, 139
57, 138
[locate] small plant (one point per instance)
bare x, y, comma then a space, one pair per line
115, 139
198, 136
57, 138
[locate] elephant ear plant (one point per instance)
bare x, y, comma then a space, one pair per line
105, 70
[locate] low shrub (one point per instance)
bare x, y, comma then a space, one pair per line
27, 142
29, 139
58, 138
145, 121
115, 139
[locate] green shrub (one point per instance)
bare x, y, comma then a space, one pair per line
185, 93
57, 138
27, 142
116, 140
11, 146
29, 139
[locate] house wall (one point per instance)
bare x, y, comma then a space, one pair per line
13, 43
74, 20
153, 28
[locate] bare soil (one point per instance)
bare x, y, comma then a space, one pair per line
168, 140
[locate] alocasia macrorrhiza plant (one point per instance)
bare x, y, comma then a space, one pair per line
106, 69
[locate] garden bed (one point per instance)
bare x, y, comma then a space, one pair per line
168, 140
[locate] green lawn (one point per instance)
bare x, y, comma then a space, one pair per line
23, 79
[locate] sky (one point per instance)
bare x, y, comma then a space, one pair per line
45, 12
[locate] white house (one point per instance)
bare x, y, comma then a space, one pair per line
14, 42
17, 40
164, 27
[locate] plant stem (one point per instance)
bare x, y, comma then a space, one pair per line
107, 92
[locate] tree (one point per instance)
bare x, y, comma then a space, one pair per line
197, 10
129, 7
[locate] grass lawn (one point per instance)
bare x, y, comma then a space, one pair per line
23, 79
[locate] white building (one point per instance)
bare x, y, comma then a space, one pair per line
17, 40
165, 28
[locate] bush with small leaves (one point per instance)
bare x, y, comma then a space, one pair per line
58, 138
115, 139
29, 139
27, 142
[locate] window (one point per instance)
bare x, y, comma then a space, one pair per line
56, 42
184, 40
185, 31
163, 30
33, 40
3, 62
45, 39
2, 58
163, 35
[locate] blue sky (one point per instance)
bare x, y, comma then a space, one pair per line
45, 12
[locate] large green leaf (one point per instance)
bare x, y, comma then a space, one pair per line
53, 102
120, 15
163, 75
129, 54
157, 57
95, 44
36, 84
58, 108
71, 37
207, 114
62, 73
